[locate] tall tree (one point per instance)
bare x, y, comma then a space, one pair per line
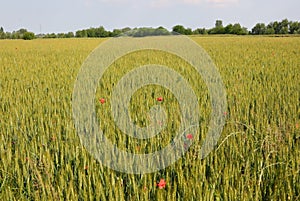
115, 32
284, 27
294, 28
101, 32
229, 29
270, 28
2, 34
218, 29
200, 31
219, 23
276, 27
179, 29
28, 35
259, 28
188, 31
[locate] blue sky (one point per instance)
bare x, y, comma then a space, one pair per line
71, 15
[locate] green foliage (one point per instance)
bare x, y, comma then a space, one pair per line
259, 29
2, 34
22, 31
141, 32
50, 35
179, 29
294, 28
116, 32
188, 31
81, 34
229, 29
236, 29
219, 24
200, 31
62, 35
28, 36
218, 29
283, 27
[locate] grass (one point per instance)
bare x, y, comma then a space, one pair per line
257, 156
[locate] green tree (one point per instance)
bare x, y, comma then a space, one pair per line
8, 35
294, 28
284, 27
15, 35
259, 29
2, 34
69, 35
22, 31
239, 30
115, 32
160, 31
52, 35
81, 34
126, 29
270, 29
101, 32
218, 29
229, 29
276, 26
61, 35
91, 33
200, 31
188, 31
179, 29
148, 31
219, 24
28, 35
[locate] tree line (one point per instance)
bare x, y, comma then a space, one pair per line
283, 27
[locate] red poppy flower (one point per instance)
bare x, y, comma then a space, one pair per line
102, 100
189, 136
160, 99
162, 184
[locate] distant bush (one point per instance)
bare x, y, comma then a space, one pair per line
28, 36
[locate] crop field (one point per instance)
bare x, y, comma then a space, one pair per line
256, 158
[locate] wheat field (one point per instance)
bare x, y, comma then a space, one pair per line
256, 158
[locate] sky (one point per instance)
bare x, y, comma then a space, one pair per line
58, 16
